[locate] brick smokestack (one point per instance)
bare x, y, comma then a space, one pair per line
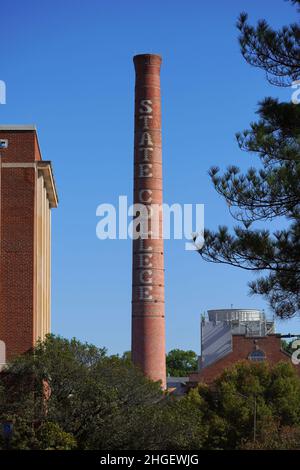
148, 316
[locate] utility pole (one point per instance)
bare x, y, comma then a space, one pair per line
254, 419
254, 413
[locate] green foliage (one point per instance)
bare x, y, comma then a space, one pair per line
276, 52
273, 437
127, 356
168, 424
245, 401
181, 363
272, 190
52, 437
66, 394
69, 395
87, 389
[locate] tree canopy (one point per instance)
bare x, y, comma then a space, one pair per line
181, 363
66, 394
71, 395
272, 189
252, 406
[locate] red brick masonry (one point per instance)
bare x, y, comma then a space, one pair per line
21, 166
242, 346
17, 241
148, 317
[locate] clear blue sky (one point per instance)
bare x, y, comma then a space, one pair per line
68, 69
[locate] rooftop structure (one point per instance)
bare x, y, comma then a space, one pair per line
247, 322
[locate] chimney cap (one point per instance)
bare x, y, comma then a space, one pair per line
151, 59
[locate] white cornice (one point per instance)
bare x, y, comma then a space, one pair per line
17, 127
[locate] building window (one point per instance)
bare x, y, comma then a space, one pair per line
257, 355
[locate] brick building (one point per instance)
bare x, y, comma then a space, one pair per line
233, 335
27, 195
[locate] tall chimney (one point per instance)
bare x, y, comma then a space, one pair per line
148, 316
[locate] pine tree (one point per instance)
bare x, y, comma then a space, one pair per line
272, 190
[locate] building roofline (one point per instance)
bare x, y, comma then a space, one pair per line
22, 128
17, 127
257, 336
234, 309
